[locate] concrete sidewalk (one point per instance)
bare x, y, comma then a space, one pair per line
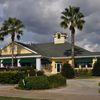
83, 89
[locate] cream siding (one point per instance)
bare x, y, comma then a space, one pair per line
18, 49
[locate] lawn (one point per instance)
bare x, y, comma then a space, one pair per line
16, 98
85, 77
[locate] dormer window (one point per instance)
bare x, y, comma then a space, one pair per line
59, 36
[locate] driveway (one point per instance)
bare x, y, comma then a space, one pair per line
83, 89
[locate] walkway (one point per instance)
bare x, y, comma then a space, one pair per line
84, 89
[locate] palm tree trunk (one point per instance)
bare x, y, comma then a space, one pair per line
12, 63
72, 49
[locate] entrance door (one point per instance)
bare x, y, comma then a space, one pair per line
58, 66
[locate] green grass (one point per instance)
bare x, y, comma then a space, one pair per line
16, 98
86, 77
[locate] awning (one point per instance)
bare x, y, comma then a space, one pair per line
27, 60
8, 61
83, 60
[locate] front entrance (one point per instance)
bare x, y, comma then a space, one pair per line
58, 67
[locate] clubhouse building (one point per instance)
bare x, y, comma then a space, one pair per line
48, 56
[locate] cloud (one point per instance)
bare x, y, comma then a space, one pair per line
39, 16
42, 17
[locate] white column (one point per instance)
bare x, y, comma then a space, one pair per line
86, 66
38, 63
80, 66
1, 64
18, 63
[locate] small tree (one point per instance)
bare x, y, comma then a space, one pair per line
96, 69
67, 71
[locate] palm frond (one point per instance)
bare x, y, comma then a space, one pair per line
12, 26
18, 37
64, 24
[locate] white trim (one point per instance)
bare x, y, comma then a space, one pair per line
87, 56
75, 57
27, 48
22, 57
29, 56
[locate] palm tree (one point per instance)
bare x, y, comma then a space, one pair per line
12, 27
73, 19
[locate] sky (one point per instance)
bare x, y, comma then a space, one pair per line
41, 19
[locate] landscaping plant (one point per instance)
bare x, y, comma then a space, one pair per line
67, 71
96, 69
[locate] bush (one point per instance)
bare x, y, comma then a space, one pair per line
34, 82
96, 69
29, 71
67, 71
56, 80
42, 82
11, 77
40, 73
83, 72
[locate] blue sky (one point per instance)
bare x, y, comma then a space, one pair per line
42, 17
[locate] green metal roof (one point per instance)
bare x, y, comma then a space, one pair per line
58, 50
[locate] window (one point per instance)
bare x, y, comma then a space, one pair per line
59, 36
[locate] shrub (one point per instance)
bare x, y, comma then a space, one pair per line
31, 72
40, 73
34, 82
56, 80
11, 77
42, 82
67, 71
83, 72
27, 70
96, 69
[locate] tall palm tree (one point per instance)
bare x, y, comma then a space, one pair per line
12, 27
73, 19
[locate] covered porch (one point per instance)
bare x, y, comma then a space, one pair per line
21, 61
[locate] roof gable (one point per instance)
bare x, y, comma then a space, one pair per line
18, 49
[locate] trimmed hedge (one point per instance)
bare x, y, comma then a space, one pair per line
42, 82
11, 77
56, 80
34, 82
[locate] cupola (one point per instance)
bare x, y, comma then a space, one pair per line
59, 37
